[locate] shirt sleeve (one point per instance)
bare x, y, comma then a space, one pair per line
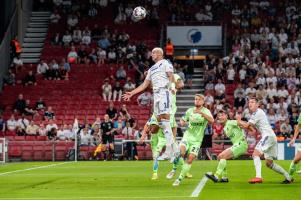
186, 116
168, 67
232, 122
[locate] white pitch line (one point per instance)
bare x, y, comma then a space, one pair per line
33, 168
99, 197
196, 192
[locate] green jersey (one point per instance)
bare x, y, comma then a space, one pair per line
153, 121
233, 131
196, 124
299, 119
174, 96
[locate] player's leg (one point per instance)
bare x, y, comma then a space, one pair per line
258, 152
173, 124
270, 153
154, 143
293, 166
164, 111
221, 167
193, 151
179, 161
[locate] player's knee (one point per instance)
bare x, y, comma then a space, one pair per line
219, 157
269, 163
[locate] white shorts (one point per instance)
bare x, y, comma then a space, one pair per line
268, 146
162, 101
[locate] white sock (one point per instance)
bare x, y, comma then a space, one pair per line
277, 168
165, 125
257, 164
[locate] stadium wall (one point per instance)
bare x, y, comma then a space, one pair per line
287, 153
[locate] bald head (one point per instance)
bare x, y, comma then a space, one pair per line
157, 54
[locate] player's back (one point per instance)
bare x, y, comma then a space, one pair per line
157, 74
260, 120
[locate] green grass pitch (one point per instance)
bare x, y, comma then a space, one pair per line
131, 180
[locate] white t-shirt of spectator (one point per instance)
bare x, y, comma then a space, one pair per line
242, 74
51, 126
220, 88
18, 61
230, 74
272, 92
11, 124
261, 81
282, 93
23, 123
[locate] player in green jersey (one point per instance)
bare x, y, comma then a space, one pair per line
293, 166
197, 119
157, 142
239, 147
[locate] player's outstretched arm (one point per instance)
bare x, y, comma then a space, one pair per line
145, 132
241, 123
127, 96
296, 133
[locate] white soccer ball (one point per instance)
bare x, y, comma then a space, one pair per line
139, 13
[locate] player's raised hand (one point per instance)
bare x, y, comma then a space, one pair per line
127, 96
141, 141
182, 122
291, 143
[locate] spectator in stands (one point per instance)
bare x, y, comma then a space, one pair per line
72, 56
72, 20
123, 112
112, 111
82, 55
62, 73
51, 129
112, 57
70, 132
40, 105
55, 17
261, 93
96, 32
22, 124
30, 79
101, 56
11, 123
145, 99
107, 136
129, 86
239, 101
230, 74
128, 132
97, 122
106, 91
239, 89
56, 39
117, 91
18, 63
121, 73
19, 104
119, 124
29, 110
218, 131
49, 114
42, 68
104, 43
66, 65
32, 128
42, 130
10, 78
92, 12
67, 39
60, 135
286, 129
77, 35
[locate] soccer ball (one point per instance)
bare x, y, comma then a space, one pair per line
139, 13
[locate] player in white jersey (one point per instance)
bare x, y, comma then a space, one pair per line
160, 75
267, 145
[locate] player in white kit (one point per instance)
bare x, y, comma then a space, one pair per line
160, 75
267, 145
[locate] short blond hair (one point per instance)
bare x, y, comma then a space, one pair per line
159, 50
200, 95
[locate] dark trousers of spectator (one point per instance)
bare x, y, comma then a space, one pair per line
131, 150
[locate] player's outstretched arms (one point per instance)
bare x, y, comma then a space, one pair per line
145, 132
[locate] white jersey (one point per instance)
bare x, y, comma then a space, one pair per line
157, 74
260, 120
